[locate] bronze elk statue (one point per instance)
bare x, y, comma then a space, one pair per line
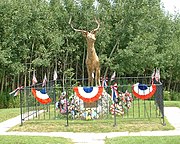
92, 60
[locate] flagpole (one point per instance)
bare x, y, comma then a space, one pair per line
114, 115
54, 84
114, 96
67, 120
34, 81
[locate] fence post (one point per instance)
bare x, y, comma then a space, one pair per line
163, 106
67, 120
159, 99
21, 107
54, 97
114, 115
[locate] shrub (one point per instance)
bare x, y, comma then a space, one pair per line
167, 96
171, 96
175, 96
9, 101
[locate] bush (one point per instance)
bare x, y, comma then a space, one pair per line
167, 96
171, 96
9, 101
175, 96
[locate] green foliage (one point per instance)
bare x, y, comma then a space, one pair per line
171, 96
167, 96
9, 101
175, 96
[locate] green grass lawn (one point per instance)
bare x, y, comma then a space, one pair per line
6, 114
100, 125
144, 140
33, 140
172, 104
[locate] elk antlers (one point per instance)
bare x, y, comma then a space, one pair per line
74, 28
94, 30
78, 30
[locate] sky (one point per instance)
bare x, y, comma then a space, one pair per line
171, 5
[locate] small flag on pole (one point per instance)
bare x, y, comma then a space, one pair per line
44, 81
157, 75
34, 80
113, 76
16, 91
55, 75
114, 94
104, 82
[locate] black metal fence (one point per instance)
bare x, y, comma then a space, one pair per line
66, 105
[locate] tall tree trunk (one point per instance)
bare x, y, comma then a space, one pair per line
77, 68
48, 73
42, 73
174, 88
116, 45
18, 82
83, 65
25, 74
64, 69
2, 82
169, 82
65, 63
6, 83
30, 63
13, 83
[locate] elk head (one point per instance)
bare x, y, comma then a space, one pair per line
90, 36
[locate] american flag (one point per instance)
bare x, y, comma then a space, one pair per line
16, 91
44, 81
34, 80
104, 82
113, 76
55, 75
114, 94
157, 75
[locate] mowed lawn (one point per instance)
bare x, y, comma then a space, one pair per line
172, 104
6, 114
98, 126
33, 140
144, 140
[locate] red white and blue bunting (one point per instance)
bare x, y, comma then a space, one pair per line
114, 93
41, 96
142, 91
88, 94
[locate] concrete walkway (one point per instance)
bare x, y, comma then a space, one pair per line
172, 114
